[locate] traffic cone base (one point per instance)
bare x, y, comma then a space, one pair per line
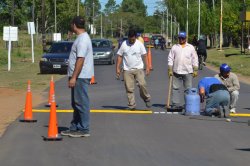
58, 138
48, 105
26, 120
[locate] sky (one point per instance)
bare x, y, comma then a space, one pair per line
151, 5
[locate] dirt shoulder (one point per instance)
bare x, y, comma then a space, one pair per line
12, 104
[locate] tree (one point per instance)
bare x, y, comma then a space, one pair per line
111, 7
134, 6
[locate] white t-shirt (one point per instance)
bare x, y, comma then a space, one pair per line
132, 55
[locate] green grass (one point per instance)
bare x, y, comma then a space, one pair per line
233, 57
22, 68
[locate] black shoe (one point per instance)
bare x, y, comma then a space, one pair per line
78, 134
67, 132
216, 113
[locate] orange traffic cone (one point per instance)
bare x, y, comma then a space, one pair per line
51, 91
92, 81
28, 106
53, 126
150, 59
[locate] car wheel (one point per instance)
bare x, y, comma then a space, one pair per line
42, 71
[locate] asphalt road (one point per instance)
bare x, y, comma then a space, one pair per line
131, 139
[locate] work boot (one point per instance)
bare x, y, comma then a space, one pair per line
233, 110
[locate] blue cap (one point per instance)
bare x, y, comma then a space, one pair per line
182, 34
224, 68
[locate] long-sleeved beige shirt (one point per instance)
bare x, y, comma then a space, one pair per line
183, 59
232, 82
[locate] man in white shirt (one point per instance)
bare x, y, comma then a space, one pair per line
182, 65
130, 54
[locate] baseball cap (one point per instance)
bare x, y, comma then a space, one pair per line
182, 35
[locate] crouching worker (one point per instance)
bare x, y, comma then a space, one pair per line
216, 94
230, 80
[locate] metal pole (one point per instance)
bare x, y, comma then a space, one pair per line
13, 13
78, 4
167, 26
121, 28
101, 26
93, 18
199, 19
55, 15
171, 29
187, 21
111, 30
221, 35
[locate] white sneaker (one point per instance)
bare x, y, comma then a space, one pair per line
233, 111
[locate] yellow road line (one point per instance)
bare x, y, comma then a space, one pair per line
103, 111
240, 115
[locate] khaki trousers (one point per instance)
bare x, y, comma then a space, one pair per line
129, 80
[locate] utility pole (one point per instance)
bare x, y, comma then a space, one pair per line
101, 26
171, 29
187, 21
55, 15
167, 27
78, 6
221, 33
199, 19
111, 30
43, 25
121, 29
93, 27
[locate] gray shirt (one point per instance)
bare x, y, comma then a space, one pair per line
82, 47
232, 82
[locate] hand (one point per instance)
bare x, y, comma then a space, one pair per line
170, 72
195, 73
72, 83
118, 73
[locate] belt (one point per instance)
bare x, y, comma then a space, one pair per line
215, 87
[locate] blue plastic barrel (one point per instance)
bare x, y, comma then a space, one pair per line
192, 102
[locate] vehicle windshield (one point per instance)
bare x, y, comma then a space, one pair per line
100, 44
60, 47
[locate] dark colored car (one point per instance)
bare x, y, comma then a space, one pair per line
56, 58
103, 51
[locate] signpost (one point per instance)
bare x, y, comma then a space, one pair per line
31, 31
10, 34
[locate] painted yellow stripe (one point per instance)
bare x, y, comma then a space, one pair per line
103, 111
240, 115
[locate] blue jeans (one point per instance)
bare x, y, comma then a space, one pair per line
216, 100
80, 104
178, 79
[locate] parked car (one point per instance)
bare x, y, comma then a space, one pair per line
55, 60
103, 51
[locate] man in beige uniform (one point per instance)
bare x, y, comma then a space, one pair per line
130, 54
230, 80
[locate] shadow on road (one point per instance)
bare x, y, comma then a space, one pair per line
245, 149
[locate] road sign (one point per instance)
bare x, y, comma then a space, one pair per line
10, 33
57, 37
31, 28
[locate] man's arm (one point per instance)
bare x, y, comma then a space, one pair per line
77, 70
118, 64
145, 58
